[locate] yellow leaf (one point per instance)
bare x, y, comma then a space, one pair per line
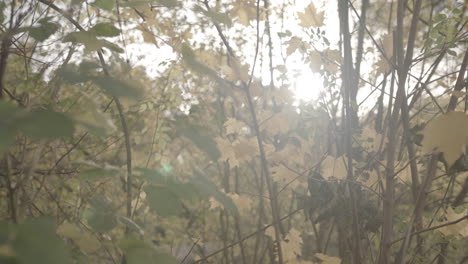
461, 228
310, 17
447, 133
227, 151
278, 123
370, 139
292, 245
7, 251
243, 202
235, 71
387, 42
315, 61
86, 242
327, 259
295, 43
270, 231
334, 167
233, 126
245, 148
332, 61
382, 65
214, 204
284, 176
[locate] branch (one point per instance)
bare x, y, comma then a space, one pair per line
431, 228
118, 105
247, 237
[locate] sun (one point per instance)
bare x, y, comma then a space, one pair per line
306, 85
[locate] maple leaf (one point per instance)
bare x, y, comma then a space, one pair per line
233, 126
283, 175
327, 259
334, 167
310, 17
292, 245
243, 202
295, 43
460, 228
227, 151
447, 133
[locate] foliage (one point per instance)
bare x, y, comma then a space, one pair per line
165, 131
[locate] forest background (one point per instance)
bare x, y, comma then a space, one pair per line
253, 131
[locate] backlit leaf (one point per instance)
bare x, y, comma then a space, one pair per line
163, 201
105, 30
310, 17
447, 133
104, 4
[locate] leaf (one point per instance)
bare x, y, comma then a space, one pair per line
36, 243
45, 124
85, 241
216, 17
86, 38
334, 167
310, 17
138, 252
447, 133
131, 224
105, 30
101, 218
163, 201
91, 42
295, 43
327, 259
461, 228
137, 3
104, 4
116, 87
283, 175
208, 188
44, 31
98, 173
169, 3
233, 126
199, 136
102, 221
2, 17
292, 244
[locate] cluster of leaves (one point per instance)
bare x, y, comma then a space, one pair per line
103, 161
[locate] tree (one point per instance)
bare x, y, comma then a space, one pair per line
208, 156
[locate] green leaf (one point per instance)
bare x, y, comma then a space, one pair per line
151, 176
37, 243
2, 17
169, 3
162, 200
111, 46
86, 38
138, 252
45, 124
98, 173
131, 224
116, 87
43, 31
102, 222
105, 30
100, 217
199, 136
104, 4
205, 186
137, 3
8, 130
